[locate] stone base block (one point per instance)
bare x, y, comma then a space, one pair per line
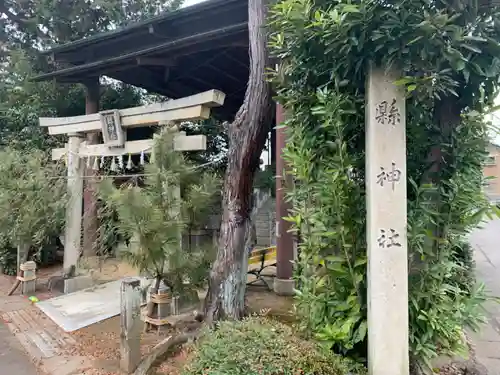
77, 283
28, 287
284, 287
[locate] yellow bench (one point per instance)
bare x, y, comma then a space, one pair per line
260, 257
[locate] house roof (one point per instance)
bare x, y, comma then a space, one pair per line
179, 53
130, 29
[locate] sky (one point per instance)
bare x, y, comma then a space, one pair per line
191, 2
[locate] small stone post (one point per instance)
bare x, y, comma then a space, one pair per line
28, 282
130, 323
73, 231
386, 225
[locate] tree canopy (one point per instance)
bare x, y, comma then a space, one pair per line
37, 24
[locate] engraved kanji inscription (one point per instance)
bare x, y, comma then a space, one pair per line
111, 127
387, 113
388, 238
389, 176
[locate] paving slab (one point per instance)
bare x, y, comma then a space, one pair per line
39, 336
83, 308
13, 359
485, 242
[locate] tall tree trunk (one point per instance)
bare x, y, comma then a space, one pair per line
247, 137
447, 113
448, 118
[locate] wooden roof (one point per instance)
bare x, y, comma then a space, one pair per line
176, 54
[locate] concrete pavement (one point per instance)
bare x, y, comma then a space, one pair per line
486, 242
13, 359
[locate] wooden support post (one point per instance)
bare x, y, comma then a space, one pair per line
386, 225
72, 236
283, 284
90, 220
130, 323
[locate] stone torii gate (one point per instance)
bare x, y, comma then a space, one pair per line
113, 125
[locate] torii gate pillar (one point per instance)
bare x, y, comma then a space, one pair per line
90, 220
74, 210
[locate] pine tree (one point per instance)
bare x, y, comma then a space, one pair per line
156, 215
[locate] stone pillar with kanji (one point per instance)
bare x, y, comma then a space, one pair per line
386, 225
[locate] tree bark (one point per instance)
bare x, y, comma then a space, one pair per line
247, 136
446, 117
159, 351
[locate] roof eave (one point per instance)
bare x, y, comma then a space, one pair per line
207, 5
75, 70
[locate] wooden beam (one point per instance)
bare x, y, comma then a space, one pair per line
223, 73
146, 119
199, 64
145, 78
211, 98
181, 143
154, 61
233, 58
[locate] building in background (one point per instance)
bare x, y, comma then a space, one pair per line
491, 169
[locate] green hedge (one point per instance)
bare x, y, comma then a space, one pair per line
259, 346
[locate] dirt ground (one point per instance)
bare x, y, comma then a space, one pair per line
105, 270
101, 342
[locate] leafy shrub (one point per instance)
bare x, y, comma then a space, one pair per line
259, 346
463, 256
32, 202
8, 257
324, 49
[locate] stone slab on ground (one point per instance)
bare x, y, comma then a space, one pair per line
67, 365
83, 308
46, 346
13, 359
39, 336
